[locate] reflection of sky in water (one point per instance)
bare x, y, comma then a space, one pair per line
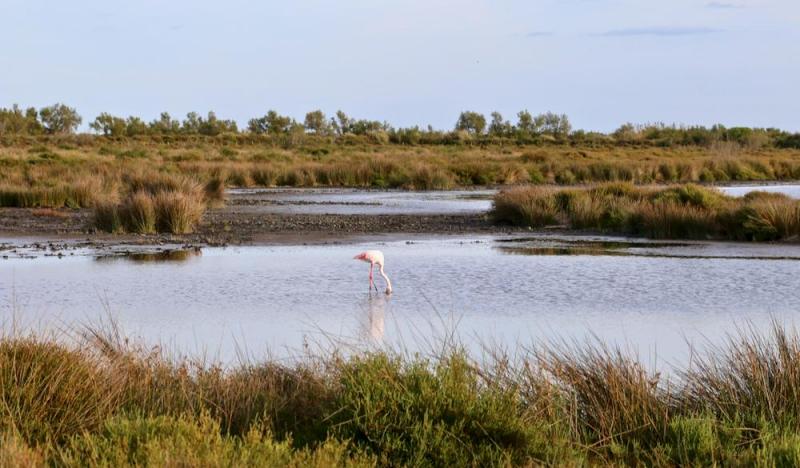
343, 201
740, 191
275, 298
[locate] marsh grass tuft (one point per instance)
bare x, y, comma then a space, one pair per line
177, 212
138, 213
154, 203
677, 212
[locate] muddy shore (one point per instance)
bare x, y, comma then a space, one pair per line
233, 226
249, 218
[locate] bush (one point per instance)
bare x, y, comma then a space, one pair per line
417, 417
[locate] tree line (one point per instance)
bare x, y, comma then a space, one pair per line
60, 119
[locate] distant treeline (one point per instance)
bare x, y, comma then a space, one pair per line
471, 127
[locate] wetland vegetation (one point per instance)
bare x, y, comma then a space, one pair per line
160, 176
97, 399
673, 212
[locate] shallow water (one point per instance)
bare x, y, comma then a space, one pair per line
792, 190
356, 201
650, 296
352, 201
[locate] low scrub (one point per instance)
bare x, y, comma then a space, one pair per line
676, 212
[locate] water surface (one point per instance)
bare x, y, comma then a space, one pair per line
652, 296
358, 201
791, 190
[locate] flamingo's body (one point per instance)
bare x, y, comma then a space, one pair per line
375, 257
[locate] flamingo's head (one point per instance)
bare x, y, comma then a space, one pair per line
362, 256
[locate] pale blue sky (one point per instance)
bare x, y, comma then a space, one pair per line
602, 62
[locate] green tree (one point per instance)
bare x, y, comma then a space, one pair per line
135, 126
15, 121
59, 119
552, 124
191, 124
316, 122
625, 132
342, 124
498, 126
213, 126
365, 127
272, 123
525, 122
471, 122
109, 125
165, 124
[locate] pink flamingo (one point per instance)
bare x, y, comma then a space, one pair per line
375, 257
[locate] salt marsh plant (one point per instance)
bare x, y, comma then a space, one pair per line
677, 212
105, 400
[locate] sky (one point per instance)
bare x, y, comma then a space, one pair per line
412, 62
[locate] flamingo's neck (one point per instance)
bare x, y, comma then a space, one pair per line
388, 283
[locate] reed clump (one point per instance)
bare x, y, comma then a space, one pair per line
104, 400
676, 212
156, 203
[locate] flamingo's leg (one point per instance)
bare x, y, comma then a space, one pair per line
371, 281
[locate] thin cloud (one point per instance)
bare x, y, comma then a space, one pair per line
722, 5
539, 34
659, 31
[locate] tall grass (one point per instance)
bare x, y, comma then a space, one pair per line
106, 401
156, 203
79, 194
177, 212
31, 169
677, 212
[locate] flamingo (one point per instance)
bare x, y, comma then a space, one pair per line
375, 257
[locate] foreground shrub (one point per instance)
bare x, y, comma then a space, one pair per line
184, 441
112, 403
412, 415
49, 393
755, 380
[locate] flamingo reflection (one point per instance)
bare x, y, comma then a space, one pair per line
374, 327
